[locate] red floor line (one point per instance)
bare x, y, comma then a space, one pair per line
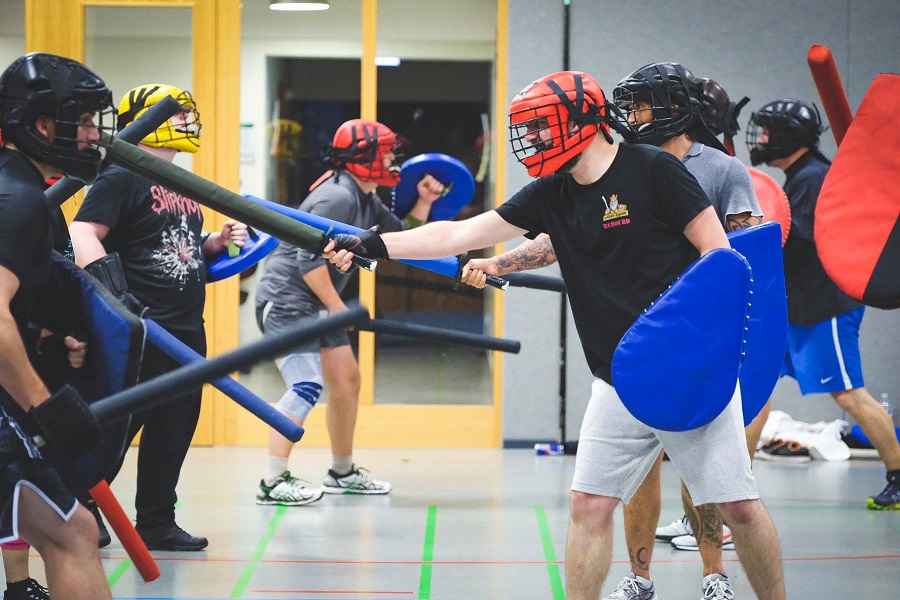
695, 558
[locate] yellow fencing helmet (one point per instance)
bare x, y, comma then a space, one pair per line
181, 136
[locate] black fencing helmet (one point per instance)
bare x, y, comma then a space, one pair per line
717, 110
789, 124
40, 84
673, 95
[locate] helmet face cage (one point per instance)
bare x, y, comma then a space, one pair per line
673, 96
182, 135
788, 125
362, 147
40, 84
542, 121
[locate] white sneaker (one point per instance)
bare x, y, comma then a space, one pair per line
717, 587
630, 589
286, 491
357, 481
689, 542
676, 528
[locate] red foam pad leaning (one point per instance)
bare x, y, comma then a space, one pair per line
773, 201
857, 229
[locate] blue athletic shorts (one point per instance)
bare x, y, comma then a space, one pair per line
824, 357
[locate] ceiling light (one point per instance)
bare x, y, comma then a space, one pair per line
387, 61
298, 4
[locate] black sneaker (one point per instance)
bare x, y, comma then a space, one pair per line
26, 590
785, 451
889, 498
172, 538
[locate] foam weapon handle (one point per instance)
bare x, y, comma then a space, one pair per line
537, 282
167, 387
831, 91
437, 334
215, 196
125, 531
448, 266
143, 126
182, 353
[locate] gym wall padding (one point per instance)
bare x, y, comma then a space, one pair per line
857, 226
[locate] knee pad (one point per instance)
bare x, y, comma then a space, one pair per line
303, 375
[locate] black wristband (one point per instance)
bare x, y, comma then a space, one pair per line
66, 423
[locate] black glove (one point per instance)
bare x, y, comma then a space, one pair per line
108, 271
66, 423
367, 243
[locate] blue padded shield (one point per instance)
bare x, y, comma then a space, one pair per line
224, 266
449, 171
676, 368
75, 303
766, 339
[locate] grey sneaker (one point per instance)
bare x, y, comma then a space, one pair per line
357, 481
630, 589
717, 587
287, 491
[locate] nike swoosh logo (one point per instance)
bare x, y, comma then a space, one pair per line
826, 380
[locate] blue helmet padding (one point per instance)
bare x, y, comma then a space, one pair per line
75, 303
677, 366
766, 339
224, 266
444, 168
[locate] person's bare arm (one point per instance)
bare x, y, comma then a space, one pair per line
87, 241
319, 281
705, 231
741, 221
17, 376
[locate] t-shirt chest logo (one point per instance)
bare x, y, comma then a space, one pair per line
616, 214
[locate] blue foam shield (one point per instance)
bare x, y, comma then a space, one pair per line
254, 250
449, 171
677, 367
766, 339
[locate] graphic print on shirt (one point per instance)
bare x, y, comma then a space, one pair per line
616, 214
178, 257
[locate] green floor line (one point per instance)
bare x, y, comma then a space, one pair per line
117, 573
556, 585
427, 555
250, 569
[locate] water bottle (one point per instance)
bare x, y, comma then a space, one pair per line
885, 402
549, 449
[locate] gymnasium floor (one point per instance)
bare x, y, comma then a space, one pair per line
467, 524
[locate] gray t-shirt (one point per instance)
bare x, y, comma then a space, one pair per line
724, 179
339, 199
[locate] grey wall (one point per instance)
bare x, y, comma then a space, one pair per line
756, 49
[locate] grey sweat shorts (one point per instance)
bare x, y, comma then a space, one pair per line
273, 319
616, 451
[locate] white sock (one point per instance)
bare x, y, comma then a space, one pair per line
709, 577
275, 467
644, 582
341, 464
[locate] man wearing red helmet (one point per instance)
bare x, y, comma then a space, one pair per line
299, 286
625, 221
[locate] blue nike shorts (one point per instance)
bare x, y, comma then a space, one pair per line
824, 357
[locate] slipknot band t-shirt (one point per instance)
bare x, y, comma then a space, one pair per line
157, 233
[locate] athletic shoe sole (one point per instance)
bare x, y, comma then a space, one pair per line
339, 490
693, 547
870, 502
273, 502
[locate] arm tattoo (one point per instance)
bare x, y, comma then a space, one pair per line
741, 221
533, 254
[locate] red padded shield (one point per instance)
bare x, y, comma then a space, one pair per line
857, 231
772, 200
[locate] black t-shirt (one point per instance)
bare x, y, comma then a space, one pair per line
812, 296
620, 241
26, 239
157, 233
